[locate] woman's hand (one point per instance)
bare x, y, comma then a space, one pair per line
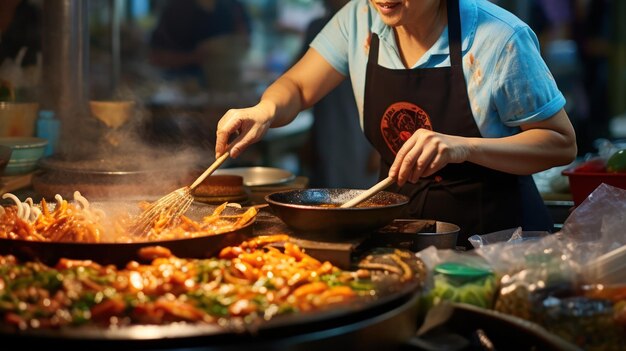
299, 88
246, 126
425, 153
540, 146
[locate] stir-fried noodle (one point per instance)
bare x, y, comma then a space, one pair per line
78, 221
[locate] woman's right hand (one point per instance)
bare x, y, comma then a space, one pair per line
299, 88
239, 128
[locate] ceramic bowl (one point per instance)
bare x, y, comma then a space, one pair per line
26, 152
112, 113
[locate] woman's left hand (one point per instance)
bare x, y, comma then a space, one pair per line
425, 153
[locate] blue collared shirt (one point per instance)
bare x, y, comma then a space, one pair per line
508, 82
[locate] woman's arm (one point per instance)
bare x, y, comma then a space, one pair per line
299, 88
539, 146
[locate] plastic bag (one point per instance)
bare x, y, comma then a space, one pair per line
594, 228
513, 235
457, 277
599, 219
541, 280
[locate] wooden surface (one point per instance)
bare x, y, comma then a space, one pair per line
16, 182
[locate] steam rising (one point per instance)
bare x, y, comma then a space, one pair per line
145, 155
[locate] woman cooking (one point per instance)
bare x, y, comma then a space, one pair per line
453, 94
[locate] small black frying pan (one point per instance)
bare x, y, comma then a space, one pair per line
317, 211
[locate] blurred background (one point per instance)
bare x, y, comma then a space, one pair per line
183, 63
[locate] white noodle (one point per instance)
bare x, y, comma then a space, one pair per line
81, 200
59, 199
99, 213
18, 203
35, 212
26, 211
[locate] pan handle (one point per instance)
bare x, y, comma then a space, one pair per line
218, 162
380, 186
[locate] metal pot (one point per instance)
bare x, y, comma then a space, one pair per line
417, 234
119, 178
316, 211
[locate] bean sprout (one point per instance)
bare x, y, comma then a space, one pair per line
86, 206
35, 211
79, 222
18, 203
59, 199
27, 211
84, 203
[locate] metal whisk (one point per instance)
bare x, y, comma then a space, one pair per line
167, 210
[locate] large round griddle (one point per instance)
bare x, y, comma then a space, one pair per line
120, 254
384, 320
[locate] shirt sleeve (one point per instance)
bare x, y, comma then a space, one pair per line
332, 41
524, 89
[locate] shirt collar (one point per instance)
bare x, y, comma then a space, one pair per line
469, 17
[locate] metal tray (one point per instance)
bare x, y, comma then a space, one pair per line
259, 176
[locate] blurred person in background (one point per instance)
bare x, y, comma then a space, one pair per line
591, 29
182, 42
454, 95
20, 45
575, 39
20, 27
551, 20
339, 154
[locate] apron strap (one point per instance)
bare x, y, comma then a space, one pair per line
454, 33
372, 57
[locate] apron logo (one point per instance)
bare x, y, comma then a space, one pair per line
400, 121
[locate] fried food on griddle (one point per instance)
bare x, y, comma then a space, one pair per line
252, 281
78, 221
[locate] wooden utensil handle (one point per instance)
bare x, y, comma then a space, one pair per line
383, 184
218, 162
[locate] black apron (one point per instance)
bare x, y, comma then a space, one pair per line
477, 199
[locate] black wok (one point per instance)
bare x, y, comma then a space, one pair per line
120, 254
317, 211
